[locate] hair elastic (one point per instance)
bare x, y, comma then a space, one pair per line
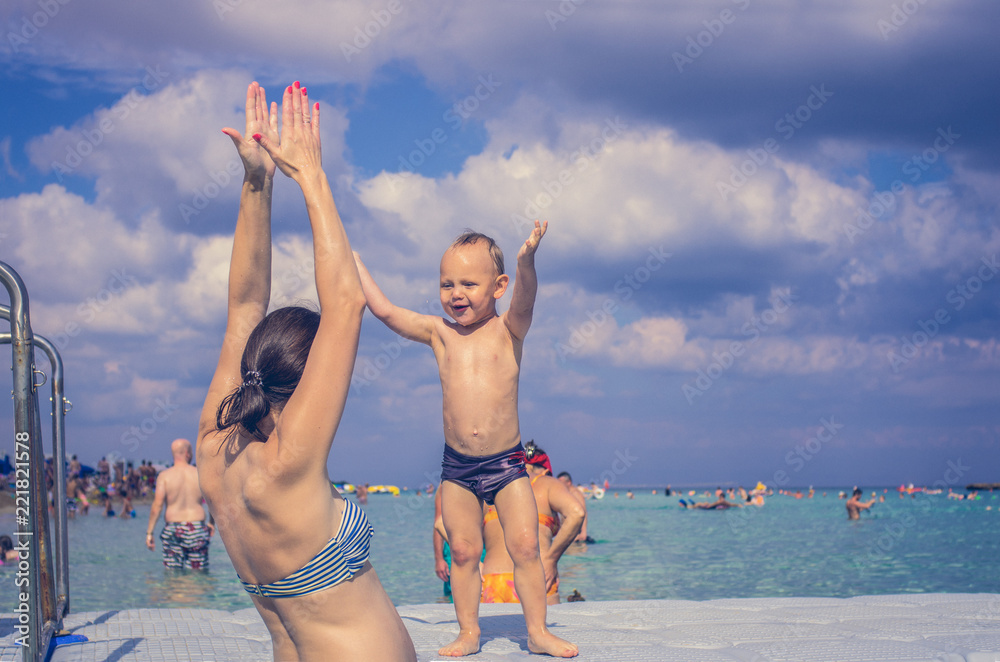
253, 379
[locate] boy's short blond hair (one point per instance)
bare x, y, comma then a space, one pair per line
470, 237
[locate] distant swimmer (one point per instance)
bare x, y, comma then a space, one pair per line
718, 504
855, 505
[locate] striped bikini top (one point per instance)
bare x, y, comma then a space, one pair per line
338, 561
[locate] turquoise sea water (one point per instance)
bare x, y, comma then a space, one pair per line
648, 548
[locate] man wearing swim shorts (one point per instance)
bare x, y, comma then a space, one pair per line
187, 532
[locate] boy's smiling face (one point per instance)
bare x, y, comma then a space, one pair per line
470, 285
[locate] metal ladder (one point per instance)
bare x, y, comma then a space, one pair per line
43, 598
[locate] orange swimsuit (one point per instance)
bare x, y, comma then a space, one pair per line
545, 520
499, 586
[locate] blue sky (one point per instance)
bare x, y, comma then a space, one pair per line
772, 251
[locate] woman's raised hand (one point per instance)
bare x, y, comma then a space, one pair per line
260, 121
296, 151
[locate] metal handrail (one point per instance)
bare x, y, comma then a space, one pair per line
61, 546
39, 609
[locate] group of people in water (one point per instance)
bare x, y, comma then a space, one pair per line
278, 394
120, 482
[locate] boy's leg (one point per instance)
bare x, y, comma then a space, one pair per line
518, 516
462, 513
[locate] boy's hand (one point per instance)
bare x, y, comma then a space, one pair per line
531, 244
256, 162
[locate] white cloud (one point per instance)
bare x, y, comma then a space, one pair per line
607, 187
162, 147
599, 139
73, 250
649, 342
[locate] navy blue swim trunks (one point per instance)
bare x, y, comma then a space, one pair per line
483, 475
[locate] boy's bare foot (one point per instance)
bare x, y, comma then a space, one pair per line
547, 643
467, 643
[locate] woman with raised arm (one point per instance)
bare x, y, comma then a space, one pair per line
273, 407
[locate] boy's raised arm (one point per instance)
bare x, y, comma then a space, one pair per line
406, 323
522, 302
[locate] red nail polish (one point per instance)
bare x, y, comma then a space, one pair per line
289, 90
257, 137
298, 84
317, 105
303, 91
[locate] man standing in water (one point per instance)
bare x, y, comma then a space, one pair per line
855, 505
186, 534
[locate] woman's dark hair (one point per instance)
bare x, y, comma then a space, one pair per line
272, 364
6, 544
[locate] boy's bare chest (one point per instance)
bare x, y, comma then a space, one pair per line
482, 350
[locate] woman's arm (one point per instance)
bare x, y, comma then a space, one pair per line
310, 419
250, 265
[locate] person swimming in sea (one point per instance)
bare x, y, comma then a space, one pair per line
719, 504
